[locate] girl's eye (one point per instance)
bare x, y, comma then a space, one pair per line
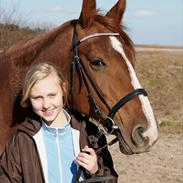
36, 98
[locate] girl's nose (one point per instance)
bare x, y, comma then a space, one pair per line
45, 104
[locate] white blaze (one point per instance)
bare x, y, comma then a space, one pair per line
152, 131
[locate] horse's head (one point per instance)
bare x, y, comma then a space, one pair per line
104, 59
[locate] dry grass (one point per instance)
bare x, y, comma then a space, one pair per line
161, 73
11, 34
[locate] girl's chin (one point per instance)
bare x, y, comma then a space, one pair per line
48, 115
48, 119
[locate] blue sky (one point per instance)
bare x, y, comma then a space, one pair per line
157, 22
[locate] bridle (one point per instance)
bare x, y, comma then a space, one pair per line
84, 77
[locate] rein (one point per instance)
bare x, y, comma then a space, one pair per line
106, 121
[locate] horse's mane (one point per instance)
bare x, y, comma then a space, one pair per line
29, 48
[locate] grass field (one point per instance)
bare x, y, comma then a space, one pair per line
161, 74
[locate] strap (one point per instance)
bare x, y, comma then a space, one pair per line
83, 74
124, 100
78, 175
108, 144
97, 179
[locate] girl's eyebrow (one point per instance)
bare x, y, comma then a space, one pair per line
50, 93
34, 96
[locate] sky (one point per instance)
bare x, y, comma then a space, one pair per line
153, 22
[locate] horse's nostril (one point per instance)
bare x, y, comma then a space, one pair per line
138, 138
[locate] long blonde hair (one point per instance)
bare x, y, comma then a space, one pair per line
38, 72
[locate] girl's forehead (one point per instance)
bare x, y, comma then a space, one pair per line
51, 79
48, 83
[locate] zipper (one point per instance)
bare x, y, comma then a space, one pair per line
58, 152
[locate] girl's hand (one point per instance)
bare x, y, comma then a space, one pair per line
88, 159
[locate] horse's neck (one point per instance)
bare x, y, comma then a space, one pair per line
27, 50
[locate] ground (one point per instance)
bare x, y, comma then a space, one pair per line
163, 164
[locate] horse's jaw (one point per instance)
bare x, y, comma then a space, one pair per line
129, 148
123, 146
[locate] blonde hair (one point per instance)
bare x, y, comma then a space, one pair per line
38, 72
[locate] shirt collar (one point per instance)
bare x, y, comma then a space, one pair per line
59, 130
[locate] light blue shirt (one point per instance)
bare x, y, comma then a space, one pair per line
60, 153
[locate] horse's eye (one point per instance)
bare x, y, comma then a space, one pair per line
96, 64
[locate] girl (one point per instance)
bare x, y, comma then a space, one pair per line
50, 146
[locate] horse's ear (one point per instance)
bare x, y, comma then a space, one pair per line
117, 11
87, 13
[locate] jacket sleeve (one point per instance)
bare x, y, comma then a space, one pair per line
10, 167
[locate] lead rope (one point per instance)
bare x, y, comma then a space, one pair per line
98, 151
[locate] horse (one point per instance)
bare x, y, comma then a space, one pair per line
97, 58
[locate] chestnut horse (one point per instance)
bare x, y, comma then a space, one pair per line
97, 58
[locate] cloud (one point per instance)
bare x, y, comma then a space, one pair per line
58, 9
146, 13
55, 9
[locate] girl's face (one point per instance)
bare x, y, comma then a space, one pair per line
46, 97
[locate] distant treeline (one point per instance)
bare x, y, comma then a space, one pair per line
12, 33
